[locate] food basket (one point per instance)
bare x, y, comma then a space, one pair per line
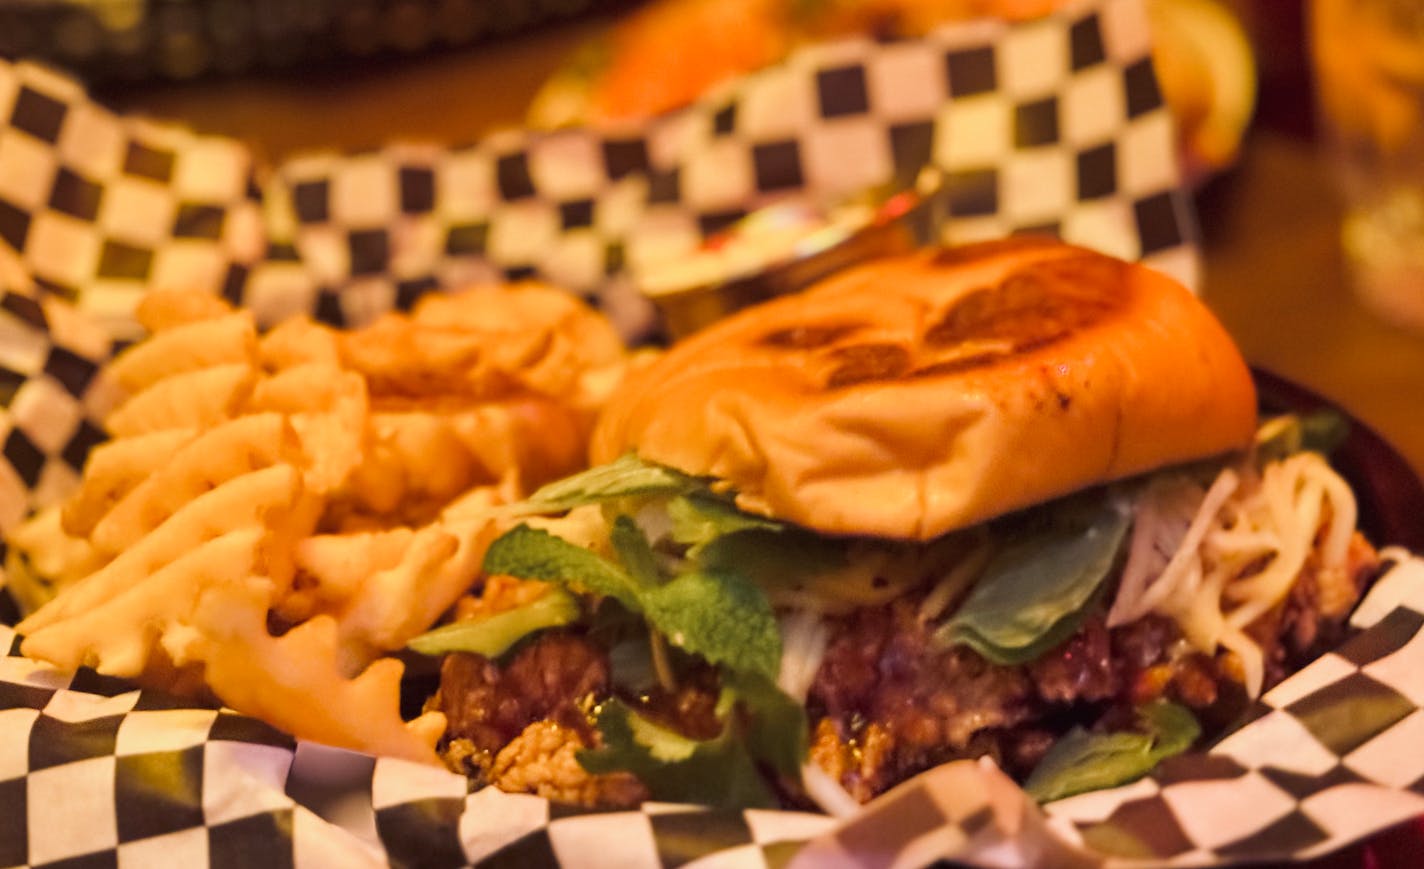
1055, 126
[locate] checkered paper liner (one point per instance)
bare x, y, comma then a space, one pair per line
1052, 126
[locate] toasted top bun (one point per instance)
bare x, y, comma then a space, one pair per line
913, 396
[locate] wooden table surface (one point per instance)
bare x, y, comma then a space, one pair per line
1272, 262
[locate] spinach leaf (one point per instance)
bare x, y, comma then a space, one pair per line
1083, 761
1035, 592
1320, 431
772, 558
493, 635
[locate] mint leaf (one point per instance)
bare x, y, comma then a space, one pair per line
721, 616
777, 732
717, 772
1082, 761
1035, 592
698, 519
532, 553
624, 477
492, 635
635, 552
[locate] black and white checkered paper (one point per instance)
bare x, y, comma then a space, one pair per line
1056, 125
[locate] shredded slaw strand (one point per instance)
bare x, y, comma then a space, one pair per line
1236, 551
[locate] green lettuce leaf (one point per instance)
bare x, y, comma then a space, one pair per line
718, 772
1083, 761
1035, 591
625, 477
493, 635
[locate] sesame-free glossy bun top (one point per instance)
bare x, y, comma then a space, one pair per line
912, 396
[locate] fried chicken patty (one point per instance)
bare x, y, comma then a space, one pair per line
888, 701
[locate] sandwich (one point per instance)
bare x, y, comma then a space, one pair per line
1010, 500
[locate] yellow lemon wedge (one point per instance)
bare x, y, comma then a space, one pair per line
1207, 72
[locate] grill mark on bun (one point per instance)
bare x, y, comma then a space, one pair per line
960, 364
865, 363
1035, 305
807, 337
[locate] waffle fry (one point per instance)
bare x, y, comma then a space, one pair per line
295, 342
393, 605
195, 399
328, 409
569, 355
113, 470
269, 498
294, 681
428, 462
118, 635
161, 310
230, 339
54, 559
270, 518
227, 451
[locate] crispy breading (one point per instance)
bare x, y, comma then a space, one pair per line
543, 760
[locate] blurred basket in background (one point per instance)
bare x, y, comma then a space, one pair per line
136, 40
